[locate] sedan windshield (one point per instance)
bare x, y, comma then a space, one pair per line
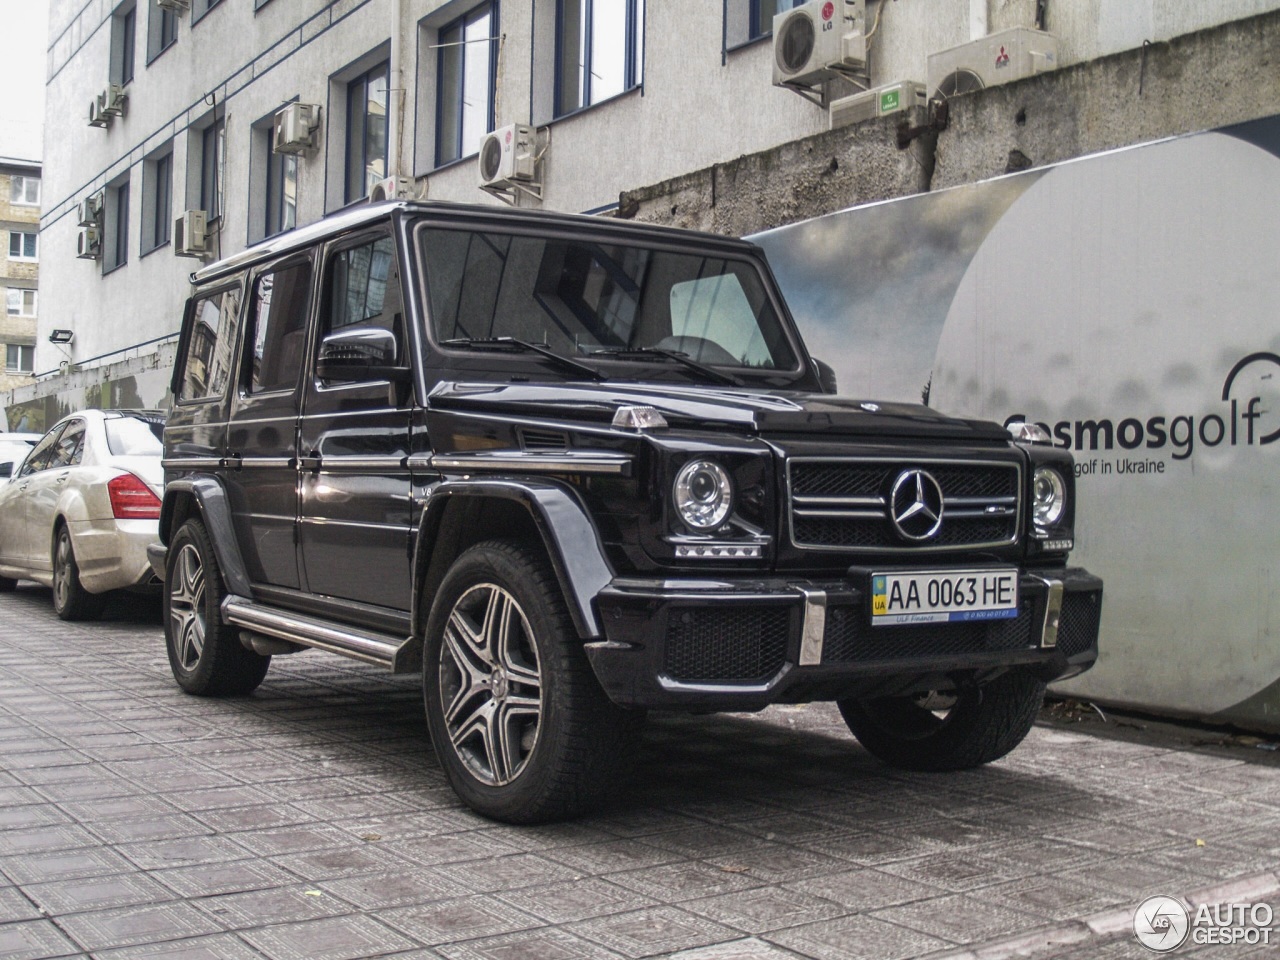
582, 298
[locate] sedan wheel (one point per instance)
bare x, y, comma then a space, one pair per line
71, 601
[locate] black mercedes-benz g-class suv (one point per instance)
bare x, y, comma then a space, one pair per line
571, 468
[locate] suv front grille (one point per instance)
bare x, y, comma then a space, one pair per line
845, 504
720, 644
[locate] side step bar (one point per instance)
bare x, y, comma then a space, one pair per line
384, 649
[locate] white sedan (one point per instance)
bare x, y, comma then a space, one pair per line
78, 513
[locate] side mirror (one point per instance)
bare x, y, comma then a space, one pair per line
826, 375
360, 355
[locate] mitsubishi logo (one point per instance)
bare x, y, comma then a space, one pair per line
915, 506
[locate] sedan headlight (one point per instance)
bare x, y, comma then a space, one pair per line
1049, 497
703, 494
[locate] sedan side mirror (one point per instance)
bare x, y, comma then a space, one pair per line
361, 355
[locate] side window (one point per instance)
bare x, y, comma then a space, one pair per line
279, 317
69, 450
364, 287
39, 458
210, 344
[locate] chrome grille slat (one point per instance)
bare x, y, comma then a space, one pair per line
842, 504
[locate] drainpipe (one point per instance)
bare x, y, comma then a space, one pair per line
977, 19
398, 94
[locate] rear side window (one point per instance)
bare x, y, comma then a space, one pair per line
134, 437
210, 345
69, 449
279, 317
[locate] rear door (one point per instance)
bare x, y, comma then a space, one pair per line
355, 515
262, 430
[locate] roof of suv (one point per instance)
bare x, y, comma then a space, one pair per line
362, 215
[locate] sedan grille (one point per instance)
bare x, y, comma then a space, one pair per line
847, 504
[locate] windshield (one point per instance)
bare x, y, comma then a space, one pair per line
581, 298
134, 436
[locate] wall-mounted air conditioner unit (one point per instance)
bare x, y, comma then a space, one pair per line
89, 243
392, 188
113, 100
818, 41
191, 234
177, 6
89, 210
294, 128
97, 116
509, 158
998, 58
880, 102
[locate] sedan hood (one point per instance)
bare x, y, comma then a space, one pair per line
743, 410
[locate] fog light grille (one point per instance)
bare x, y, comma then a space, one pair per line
718, 644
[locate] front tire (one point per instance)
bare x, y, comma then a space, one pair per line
520, 724
977, 726
71, 601
205, 653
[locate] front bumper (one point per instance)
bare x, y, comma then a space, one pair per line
742, 645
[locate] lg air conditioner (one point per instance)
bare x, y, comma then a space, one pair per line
89, 210
113, 100
995, 59
89, 243
508, 156
177, 6
818, 41
294, 128
191, 234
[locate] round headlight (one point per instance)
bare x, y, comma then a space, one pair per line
1049, 494
703, 494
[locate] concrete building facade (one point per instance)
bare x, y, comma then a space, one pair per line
20, 187
653, 101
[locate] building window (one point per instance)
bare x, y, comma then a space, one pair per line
282, 189
599, 50
200, 7
366, 132
23, 246
466, 59
20, 303
24, 191
162, 30
19, 358
157, 205
116, 248
213, 146
747, 20
123, 33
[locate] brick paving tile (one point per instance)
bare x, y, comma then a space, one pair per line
575, 900
182, 852
960, 918
689, 880
335, 938
506, 873
543, 944
211, 879
137, 925
218, 947
34, 940
257, 908
855, 938
765, 909
866, 889
656, 931
459, 918
17, 905
379, 891
97, 893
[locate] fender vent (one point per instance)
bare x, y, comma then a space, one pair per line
543, 440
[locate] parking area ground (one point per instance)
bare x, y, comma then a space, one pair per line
311, 822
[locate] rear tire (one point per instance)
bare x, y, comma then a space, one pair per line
71, 601
205, 653
519, 722
983, 724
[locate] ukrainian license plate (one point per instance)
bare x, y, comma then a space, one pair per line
944, 596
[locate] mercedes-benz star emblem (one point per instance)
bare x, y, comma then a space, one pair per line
915, 506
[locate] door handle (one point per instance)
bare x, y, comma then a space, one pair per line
311, 462
61, 478
232, 462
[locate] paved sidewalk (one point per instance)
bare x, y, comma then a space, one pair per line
311, 822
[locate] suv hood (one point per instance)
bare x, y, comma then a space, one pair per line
741, 409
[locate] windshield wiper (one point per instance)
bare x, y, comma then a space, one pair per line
647, 353
566, 364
